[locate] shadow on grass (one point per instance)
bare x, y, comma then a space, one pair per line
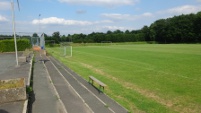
98, 89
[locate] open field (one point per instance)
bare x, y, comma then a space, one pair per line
143, 77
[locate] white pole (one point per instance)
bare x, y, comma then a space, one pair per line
13, 15
39, 23
71, 54
39, 31
64, 50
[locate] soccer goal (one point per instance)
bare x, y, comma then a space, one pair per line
66, 49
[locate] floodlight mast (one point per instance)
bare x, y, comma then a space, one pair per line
39, 23
38, 30
14, 31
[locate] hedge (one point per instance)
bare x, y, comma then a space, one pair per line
9, 45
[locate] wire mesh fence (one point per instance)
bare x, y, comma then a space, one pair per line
33, 37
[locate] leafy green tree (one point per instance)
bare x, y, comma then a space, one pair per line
159, 30
35, 35
109, 32
197, 26
127, 32
146, 33
56, 36
117, 31
63, 38
178, 29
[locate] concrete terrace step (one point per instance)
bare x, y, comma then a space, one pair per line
71, 100
44, 97
98, 102
8, 70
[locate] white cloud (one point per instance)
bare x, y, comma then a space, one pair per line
60, 21
102, 21
186, 9
5, 5
76, 26
116, 16
114, 28
147, 14
199, 0
2, 18
101, 2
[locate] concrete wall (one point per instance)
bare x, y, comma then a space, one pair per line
11, 93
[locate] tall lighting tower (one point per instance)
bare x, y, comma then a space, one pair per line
14, 31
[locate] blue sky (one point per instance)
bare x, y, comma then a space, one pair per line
86, 16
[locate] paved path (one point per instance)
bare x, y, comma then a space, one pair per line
57, 89
98, 102
95, 101
70, 98
8, 69
44, 98
7, 62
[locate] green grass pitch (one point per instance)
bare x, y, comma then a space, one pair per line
153, 78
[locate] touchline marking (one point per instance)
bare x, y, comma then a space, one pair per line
62, 104
85, 87
71, 87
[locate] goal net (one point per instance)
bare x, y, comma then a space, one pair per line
66, 49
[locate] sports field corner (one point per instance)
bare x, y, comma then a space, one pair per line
142, 77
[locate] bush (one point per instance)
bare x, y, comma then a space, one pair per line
23, 44
9, 45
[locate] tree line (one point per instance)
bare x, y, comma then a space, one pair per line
178, 29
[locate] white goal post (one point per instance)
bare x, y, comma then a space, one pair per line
66, 49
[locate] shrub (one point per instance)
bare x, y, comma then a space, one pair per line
9, 45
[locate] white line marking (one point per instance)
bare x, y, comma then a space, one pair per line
62, 104
85, 87
72, 87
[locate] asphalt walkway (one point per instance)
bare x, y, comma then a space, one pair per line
76, 94
71, 100
56, 89
98, 102
44, 97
